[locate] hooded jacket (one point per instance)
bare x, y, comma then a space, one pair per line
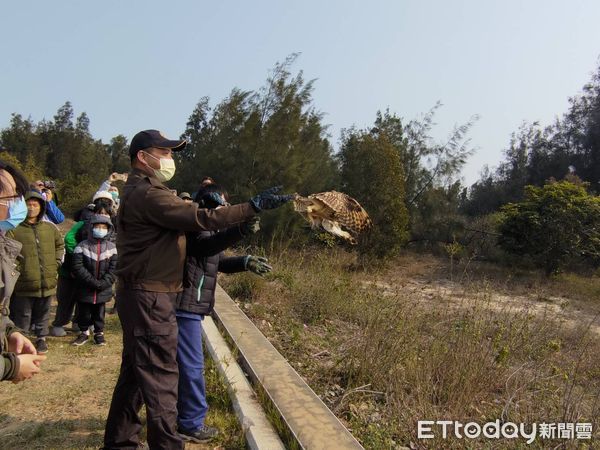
42, 253
94, 264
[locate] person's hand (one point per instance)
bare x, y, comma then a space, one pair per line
250, 227
258, 265
19, 344
49, 196
269, 200
116, 176
103, 284
29, 365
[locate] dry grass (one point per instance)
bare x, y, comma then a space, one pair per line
383, 349
388, 348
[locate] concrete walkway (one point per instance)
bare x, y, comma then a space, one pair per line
260, 434
314, 426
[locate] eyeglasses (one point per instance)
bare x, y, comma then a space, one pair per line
14, 196
8, 197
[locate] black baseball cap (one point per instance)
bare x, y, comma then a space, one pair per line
153, 138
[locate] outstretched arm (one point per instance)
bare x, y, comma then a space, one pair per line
204, 244
232, 264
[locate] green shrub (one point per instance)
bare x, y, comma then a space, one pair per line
76, 192
554, 224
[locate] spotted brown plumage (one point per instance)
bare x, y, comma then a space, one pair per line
336, 212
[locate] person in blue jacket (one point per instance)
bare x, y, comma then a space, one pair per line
53, 213
204, 260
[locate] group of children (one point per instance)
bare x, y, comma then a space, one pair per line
79, 270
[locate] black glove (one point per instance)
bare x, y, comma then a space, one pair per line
269, 200
258, 265
250, 227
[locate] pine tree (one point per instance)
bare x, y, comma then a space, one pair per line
372, 173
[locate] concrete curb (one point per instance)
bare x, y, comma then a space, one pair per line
313, 425
260, 434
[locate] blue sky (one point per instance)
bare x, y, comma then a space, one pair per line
133, 65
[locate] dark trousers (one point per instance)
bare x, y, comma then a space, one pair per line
26, 312
91, 314
191, 403
148, 373
66, 298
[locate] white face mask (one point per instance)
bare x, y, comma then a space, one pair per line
167, 168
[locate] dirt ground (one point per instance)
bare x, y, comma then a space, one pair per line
428, 279
65, 407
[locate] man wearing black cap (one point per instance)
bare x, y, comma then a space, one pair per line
151, 246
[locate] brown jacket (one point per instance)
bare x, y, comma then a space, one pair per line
151, 232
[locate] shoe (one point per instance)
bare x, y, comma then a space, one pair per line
99, 339
58, 331
41, 347
202, 434
80, 340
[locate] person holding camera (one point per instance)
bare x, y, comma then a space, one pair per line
108, 186
46, 189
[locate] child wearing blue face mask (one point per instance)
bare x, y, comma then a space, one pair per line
94, 263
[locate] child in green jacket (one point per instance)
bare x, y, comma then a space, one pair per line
42, 255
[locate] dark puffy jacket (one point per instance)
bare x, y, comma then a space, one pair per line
203, 262
94, 263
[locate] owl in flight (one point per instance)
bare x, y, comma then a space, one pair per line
336, 212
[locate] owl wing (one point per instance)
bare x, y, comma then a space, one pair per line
347, 211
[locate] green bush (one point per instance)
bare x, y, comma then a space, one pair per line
555, 224
76, 192
372, 172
